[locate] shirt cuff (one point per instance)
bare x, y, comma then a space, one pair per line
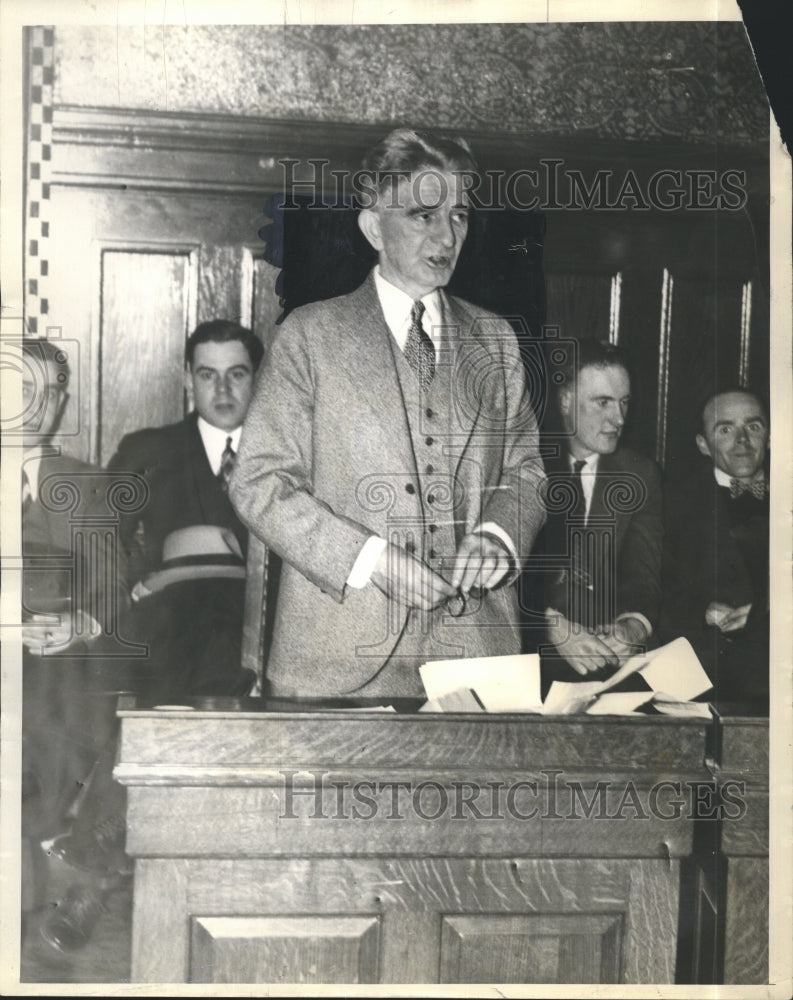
364, 565
639, 617
490, 528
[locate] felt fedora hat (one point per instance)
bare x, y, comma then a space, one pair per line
196, 553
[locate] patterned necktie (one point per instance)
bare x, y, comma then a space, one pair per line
758, 488
419, 351
227, 460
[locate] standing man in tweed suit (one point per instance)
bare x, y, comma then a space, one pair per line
390, 454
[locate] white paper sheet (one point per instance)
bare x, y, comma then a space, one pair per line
502, 683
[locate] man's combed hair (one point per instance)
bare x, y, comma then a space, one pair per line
406, 150
590, 353
724, 390
221, 331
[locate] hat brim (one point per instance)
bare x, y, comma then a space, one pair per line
163, 578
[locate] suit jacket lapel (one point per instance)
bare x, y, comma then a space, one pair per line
197, 470
466, 355
364, 351
609, 469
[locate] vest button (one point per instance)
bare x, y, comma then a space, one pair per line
410, 488
430, 440
430, 412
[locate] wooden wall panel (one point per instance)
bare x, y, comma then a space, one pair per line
285, 949
704, 351
266, 306
145, 314
536, 948
219, 283
579, 304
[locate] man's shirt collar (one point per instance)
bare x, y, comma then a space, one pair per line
31, 464
590, 463
396, 306
724, 478
214, 440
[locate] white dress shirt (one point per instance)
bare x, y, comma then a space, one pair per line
214, 439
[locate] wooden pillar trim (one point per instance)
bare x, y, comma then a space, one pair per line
746, 333
664, 340
616, 304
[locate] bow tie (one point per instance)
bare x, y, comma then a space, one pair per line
758, 488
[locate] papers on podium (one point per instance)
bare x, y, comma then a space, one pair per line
512, 684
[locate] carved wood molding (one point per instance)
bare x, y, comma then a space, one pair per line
105, 147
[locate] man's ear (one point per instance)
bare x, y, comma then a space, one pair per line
565, 401
369, 222
188, 386
64, 400
702, 444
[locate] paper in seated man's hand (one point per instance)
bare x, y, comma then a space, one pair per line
481, 563
409, 581
585, 651
625, 638
725, 617
44, 637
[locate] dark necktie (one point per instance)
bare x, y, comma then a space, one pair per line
227, 460
419, 351
578, 512
758, 488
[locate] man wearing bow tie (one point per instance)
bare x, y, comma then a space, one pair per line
716, 549
390, 454
194, 627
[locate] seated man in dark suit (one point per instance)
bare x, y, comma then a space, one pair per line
74, 613
185, 556
193, 619
599, 556
716, 549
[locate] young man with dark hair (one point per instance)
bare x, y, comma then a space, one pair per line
194, 623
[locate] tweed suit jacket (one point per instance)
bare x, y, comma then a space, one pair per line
183, 491
326, 460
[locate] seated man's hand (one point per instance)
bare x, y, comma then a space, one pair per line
583, 650
43, 637
625, 638
725, 617
408, 580
481, 563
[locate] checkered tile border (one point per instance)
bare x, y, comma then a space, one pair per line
39, 171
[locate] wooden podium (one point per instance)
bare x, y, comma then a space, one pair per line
377, 847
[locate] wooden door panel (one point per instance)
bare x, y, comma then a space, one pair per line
289, 949
531, 948
145, 303
115, 277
